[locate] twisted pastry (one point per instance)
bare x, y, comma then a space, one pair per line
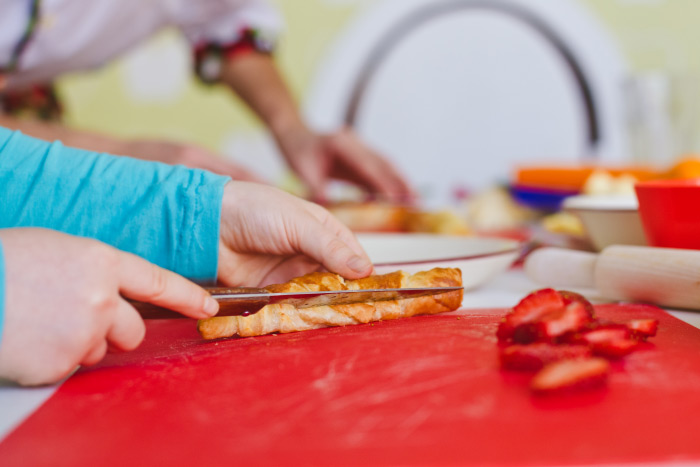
287, 318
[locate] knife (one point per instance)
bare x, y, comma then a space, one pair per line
662, 276
244, 301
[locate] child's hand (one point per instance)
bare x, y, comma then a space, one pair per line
270, 236
65, 306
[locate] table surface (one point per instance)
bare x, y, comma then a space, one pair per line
16, 404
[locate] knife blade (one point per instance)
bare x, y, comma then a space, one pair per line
244, 301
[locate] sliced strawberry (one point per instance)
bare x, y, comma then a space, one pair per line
570, 319
570, 375
534, 356
529, 309
528, 333
615, 348
569, 297
643, 328
610, 340
506, 329
537, 304
604, 333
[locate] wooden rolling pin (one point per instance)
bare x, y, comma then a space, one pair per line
662, 276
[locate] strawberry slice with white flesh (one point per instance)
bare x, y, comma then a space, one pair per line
605, 333
643, 328
567, 320
570, 375
570, 297
616, 348
529, 309
611, 341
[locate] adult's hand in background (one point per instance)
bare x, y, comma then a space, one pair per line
316, 158
319, 158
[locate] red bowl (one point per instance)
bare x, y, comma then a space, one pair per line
670, 212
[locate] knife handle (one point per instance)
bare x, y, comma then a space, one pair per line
228, 306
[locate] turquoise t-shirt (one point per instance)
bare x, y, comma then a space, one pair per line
169, 215
2, 291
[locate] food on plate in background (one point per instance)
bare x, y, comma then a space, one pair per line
376, 216
563, 223
371, 216
444, 222
533, 204
284, 318
602, 182
556, 334
495, 209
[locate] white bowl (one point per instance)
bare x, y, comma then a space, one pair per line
479, 258
608, 219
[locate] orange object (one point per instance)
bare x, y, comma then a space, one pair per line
573, 178
688, 167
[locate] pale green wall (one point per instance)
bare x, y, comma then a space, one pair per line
652, 34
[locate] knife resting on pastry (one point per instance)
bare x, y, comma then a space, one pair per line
284, 318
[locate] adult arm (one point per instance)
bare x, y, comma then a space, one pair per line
316, 158
233, 46
189, 155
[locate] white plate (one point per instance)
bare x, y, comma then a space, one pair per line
479, 258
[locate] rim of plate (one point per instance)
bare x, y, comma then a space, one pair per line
616, 210
515, 249
601, 203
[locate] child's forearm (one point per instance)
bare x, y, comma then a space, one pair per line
168, 215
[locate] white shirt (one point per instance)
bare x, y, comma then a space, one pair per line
76, 35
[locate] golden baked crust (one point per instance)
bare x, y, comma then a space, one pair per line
443, 222
384, 217
287, 318
371, 216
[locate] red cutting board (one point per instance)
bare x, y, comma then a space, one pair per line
421, 391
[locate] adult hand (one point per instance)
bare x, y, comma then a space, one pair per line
65, 302
188, 155
315, 158
341, 155
269, 236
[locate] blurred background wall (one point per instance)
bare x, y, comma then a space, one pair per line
150, 92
